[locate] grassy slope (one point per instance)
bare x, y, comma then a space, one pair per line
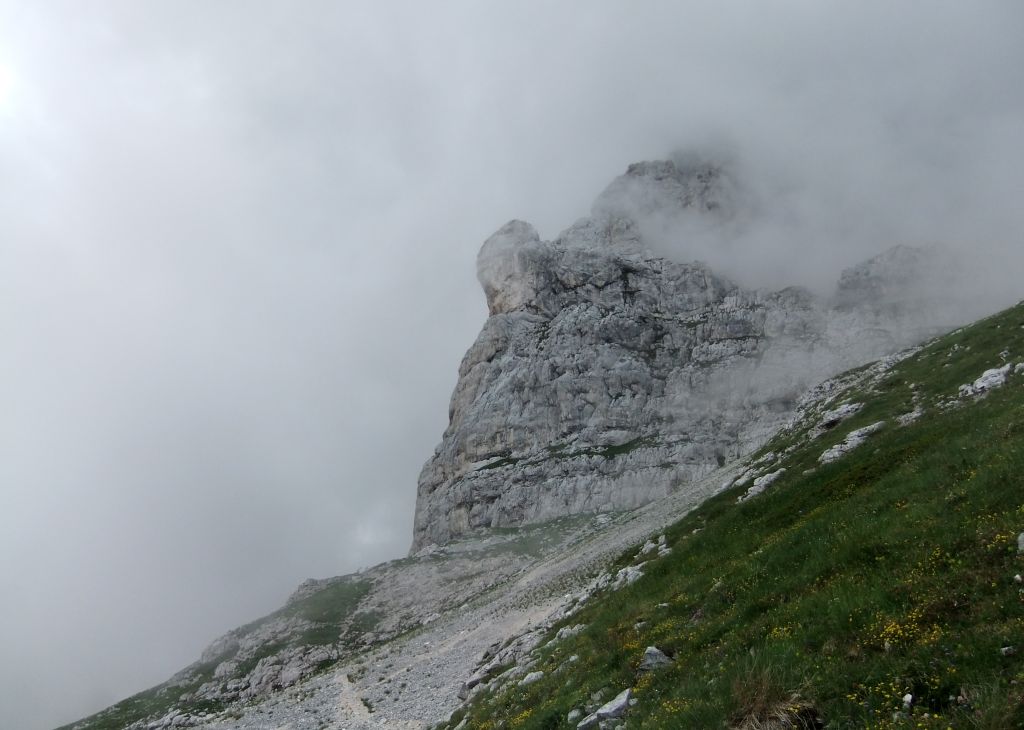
837, 591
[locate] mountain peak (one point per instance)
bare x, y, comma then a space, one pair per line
663, 187
601, 362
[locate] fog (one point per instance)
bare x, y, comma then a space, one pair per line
237, 247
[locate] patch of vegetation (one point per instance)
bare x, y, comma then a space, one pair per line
842, 589
567, 451
365, 622
498, 463
610, 452
564, 451
332, 605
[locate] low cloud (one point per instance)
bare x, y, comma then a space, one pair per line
237, 254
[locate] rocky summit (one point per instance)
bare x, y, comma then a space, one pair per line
607, 376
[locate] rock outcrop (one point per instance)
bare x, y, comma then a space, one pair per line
606, 376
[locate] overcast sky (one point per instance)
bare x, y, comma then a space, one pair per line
237, 245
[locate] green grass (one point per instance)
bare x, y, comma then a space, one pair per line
836, 592
332, 605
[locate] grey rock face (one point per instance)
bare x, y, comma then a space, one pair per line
654, 658
607, 377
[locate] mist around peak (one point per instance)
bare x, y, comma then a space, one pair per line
743, 220
237, 251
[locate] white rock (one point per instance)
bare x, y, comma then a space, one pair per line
225, 669
761, 484
567, 631
627, 576
654, 658
616, 707
908, 418
531, 678
992, 378
831, 419
852, 441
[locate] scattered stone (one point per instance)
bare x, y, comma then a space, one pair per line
627, 576
831, 419
225, 669
761, 484
654, 658
992, 378
531, 678
569, 631
574, 715
1008, 650
908, 418
616, 707
611, 710
852, 441
1020, 543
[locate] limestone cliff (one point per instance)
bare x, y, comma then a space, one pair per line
606, 376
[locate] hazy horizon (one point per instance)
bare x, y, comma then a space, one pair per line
238, 242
